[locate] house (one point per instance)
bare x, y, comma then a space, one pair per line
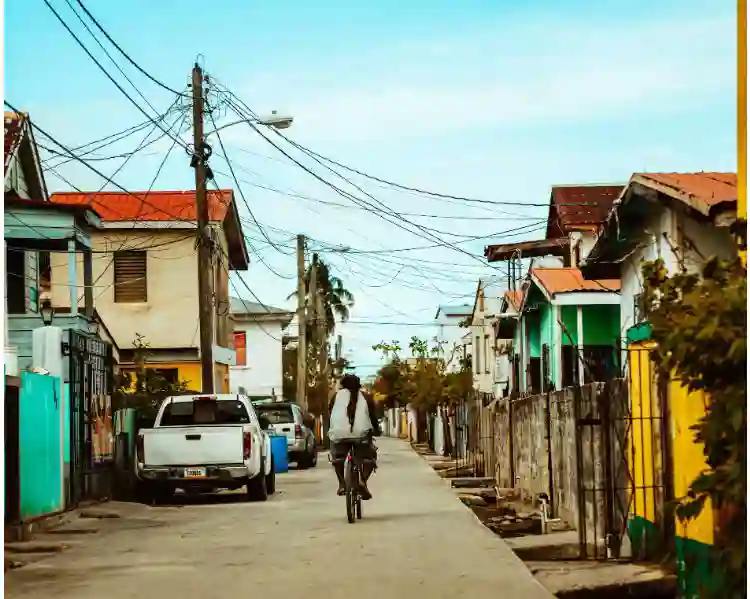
567, 328
682, 219
145, 273
258, 346
506, 328
490, 366
55, 457
575, 214
448, 320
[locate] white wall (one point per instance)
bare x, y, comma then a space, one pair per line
484, 360
709, 240
263, 372
448, 331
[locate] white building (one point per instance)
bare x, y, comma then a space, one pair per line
681, 218
449, 333
486, 355
258, 345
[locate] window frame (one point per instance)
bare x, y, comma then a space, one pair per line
127, 285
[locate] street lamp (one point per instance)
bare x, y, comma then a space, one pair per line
47, 312
93, 327
275, 120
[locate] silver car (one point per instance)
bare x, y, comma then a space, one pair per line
287, 419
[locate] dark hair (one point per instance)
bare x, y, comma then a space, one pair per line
351, 383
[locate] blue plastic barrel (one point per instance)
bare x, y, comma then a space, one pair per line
280, 453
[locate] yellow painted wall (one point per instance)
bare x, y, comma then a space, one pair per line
686, 410
404, 428
644, 448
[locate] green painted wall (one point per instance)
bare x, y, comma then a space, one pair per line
569, 316
601, 325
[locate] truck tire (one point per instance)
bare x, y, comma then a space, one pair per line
256, 486
271, 479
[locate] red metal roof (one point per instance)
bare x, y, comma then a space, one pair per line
702, 191
13, 132
576, 207
565, 280
148, 206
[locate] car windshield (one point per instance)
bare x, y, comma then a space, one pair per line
204, 411
276, 414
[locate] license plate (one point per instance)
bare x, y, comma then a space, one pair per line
195, 473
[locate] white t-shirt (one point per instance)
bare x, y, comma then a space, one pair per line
340, 428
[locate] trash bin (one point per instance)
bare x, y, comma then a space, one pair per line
280, 453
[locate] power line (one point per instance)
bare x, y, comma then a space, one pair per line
98, 64
126, 55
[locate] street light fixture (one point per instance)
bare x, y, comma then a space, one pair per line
47, 312
93, 327
275, 120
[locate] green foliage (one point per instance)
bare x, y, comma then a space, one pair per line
144, 389
699, 322
422, 380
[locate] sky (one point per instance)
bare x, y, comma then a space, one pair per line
481, 99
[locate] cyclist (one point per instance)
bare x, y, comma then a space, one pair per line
353, 421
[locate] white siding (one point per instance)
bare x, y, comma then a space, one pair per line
263, 373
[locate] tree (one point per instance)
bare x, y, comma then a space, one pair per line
144, 389
699, 322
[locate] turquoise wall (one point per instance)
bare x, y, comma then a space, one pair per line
569, 316
41, 460
66, 423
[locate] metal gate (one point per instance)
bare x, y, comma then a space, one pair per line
623, 468
91, 378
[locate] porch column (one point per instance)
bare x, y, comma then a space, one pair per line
557, 342
88, 283
72, 277
579, 327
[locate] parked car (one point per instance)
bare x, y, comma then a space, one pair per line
206, 443
287, 418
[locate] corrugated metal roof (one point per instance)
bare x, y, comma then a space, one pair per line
148, 206
576, 207
568, 280
240, 306
701, 191
453, 310
515, 298
528, 249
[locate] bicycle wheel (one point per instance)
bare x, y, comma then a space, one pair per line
359, 507
351, 491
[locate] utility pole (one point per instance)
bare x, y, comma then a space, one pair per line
205, 258
302, 326
312, 307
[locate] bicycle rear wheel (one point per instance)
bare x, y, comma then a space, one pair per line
351, 492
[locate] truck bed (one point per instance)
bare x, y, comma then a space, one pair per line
193, 445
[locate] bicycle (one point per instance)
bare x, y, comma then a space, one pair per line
351, 480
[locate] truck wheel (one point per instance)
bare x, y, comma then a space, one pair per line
256, 486
271, 479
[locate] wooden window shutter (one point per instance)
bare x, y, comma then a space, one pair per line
131, 284
240, 348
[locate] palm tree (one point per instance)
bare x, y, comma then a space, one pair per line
337, 299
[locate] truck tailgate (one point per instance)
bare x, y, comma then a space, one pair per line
193, 445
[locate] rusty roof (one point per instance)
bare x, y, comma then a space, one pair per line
527, 249
570, 280
148, 206
13, 134
701, 191
579, 207
515, 298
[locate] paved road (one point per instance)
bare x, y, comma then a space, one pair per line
415, 538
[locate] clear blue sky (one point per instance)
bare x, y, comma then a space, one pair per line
479, 98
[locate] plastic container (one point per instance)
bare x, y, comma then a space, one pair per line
280, 453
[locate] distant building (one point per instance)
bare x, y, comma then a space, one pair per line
448, 319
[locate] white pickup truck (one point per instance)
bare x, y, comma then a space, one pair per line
205, 443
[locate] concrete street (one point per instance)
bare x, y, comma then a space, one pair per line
416, 539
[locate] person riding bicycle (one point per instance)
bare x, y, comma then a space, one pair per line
353, 421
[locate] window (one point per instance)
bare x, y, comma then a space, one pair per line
478, 368
170, 375
131, 285
204, 411
15, 280
240, 348
276, 414
487, 354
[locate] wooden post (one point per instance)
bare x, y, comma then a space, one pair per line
72, 278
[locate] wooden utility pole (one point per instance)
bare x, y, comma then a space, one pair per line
205, 258
312, 306
301, 325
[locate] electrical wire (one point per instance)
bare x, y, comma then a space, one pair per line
125, 54
108, 75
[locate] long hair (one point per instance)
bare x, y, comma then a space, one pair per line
352, 384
